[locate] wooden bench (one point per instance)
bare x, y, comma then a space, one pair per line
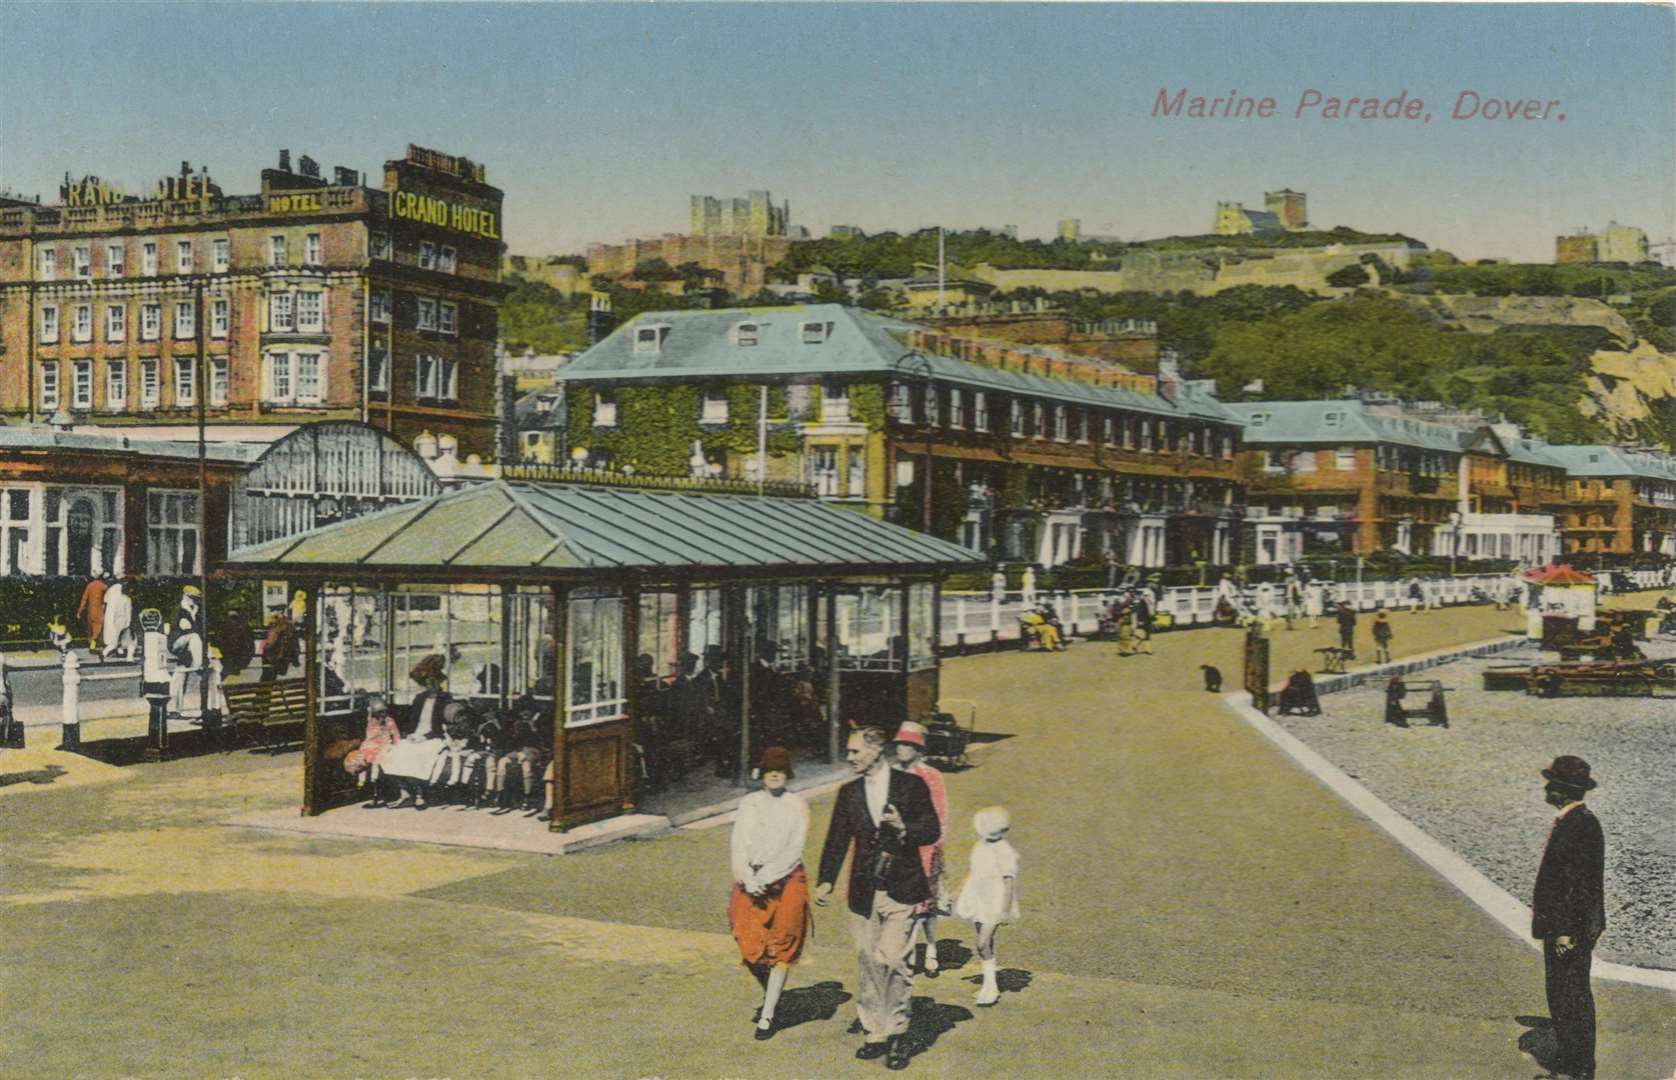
1334, 659
1434, 711
259, 711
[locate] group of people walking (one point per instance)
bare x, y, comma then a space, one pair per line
890, 823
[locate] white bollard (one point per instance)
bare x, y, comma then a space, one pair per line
71, 710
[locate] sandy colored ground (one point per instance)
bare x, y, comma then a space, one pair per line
1194, 907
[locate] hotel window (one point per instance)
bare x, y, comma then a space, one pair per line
1061, 424
427, 314
1108, 433
114, 260
448, 318
309, 376
49, 384
221, 252
49, 263
1018, 418
276, 251
933, 405
1304, 460
183, 256
1146, 435
116, 322
116, 384
311, 250
1038, 419
81, 384
835, 403
309, 313
378, 245
745, 334
427, 255
447, 259
378, 306
81, 324
605, 409
901, 406
712, 407
814, 333
980, 411
281, 317
148, 258
186, 324
49, 324
171, 532
81, 261
1345, 459
220, 316
378, 367
278, 378
957, 408
436, 379
186, 385
14, 530
151, 384
218, 381
855, 472
151, 321
1128, 432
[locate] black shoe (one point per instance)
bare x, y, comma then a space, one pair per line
869, 1051
763, 1034
897, 1054
854, 1028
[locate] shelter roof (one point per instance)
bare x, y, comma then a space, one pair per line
42, 438
703, 346
1290, 423
559, 530
1558, 574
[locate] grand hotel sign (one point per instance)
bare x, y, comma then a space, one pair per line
430, 210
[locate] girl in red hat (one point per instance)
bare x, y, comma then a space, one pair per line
910, 757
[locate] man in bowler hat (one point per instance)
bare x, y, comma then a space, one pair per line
1568, 914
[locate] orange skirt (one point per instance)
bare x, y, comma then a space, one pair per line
771, 928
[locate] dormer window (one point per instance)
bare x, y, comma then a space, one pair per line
649, 339
1333, 419
745, 334
1257, 419
816, 333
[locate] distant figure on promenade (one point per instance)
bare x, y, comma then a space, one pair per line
1029, 586
118, 631
990, 895
1416, 595
768, 908
886, 816
1382, 638
186, 645
998, 586
11, 728
91, 610
1347, 629
909, 749
1568, 913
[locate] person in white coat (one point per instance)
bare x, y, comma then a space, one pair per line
118, 629
768, 908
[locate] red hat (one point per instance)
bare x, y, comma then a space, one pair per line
775, 759
1570, 771
911, 733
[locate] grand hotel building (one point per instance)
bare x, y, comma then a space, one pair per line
314, 299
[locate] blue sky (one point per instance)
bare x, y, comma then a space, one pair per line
600, 120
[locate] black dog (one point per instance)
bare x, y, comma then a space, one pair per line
1213, 678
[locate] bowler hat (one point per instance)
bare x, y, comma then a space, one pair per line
1570, 771
911, 733
775, 759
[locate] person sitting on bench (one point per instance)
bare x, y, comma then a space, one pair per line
1298, 696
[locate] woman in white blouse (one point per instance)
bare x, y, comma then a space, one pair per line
769, 906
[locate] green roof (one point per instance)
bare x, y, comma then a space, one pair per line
703, 346
1612, 461
565, 530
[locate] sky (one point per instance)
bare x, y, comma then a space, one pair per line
600, 120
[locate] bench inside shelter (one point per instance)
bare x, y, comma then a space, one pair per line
269, 714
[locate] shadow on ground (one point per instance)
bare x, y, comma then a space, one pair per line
1538, 1041
928, 1020
810, 1004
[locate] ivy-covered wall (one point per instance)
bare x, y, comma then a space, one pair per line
657, 425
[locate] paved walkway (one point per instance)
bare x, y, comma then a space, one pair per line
1195, 906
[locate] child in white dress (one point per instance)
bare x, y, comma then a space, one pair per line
990, 895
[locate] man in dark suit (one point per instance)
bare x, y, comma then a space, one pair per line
885, 816
1568, 914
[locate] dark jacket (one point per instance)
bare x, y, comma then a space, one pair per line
904, 879
1570, 896
411, 721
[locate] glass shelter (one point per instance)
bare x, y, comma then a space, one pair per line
698, 626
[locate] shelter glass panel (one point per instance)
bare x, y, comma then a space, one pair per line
659, 635
922, 627
349, 626
869, 629
780, 616
533, 652
594, 646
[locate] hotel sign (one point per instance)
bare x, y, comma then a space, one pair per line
90, 191
294, 202
430, 210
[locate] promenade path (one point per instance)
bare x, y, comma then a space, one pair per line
1195, 906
